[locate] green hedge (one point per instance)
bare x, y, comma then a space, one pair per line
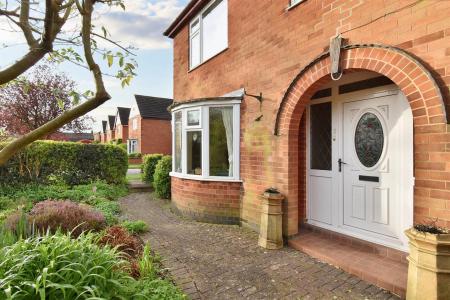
149, 165
65, 162
162, 178
134, 155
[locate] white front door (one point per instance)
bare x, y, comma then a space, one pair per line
371, 165
360, 164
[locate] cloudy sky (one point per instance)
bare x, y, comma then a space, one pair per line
140, 25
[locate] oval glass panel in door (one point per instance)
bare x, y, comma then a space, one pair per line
369, 139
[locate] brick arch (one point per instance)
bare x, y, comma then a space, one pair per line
410, 75
407, 72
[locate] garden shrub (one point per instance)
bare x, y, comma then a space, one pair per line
118, 237
135, 227
109, 209
60, 267
149, 163
161, 181
66, 216
81, 193
134, 155
123, 146
157, 289
65, 162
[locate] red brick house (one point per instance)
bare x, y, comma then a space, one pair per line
149, 129
110, 130
98, 136
356, 137
103, 133
121, 124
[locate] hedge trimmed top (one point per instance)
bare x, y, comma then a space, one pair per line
65, 162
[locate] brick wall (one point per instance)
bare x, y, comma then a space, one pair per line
207, 201
268, 46
154, 136
110, 135
97, 137
103, 138
121, 132
134, 134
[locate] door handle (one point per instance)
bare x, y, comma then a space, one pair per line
340, 163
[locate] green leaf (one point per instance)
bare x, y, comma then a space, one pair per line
110, 59
60, 103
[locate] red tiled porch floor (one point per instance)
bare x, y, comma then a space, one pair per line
388, 270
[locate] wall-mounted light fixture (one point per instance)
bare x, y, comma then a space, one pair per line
259, 98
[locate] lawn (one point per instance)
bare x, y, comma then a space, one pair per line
134, 177
135, 166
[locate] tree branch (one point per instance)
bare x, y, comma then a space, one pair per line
100, 97
52, 26
25, 24
113, 42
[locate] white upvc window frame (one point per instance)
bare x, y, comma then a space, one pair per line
130, 146
199, 32
199, 126
204, 128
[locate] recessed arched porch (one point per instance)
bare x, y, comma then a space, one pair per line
423, 101
410, 75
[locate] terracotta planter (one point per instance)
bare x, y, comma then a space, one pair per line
429, 266
270, 231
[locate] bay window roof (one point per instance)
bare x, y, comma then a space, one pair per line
235, 95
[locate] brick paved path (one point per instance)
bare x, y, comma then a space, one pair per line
224, 262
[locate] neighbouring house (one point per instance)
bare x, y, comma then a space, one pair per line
98, 136
110, 131
104, 131
121, 124
354, 132
149, 129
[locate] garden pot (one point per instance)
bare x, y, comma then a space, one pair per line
429, 266
270, 231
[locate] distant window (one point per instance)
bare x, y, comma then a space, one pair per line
209, 32
132, 146
135, 124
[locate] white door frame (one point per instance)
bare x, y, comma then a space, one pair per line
407, 192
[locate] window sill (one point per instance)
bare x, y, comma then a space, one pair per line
201, 178
212, 57
294, 5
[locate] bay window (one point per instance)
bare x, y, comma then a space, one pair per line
206, 140
208, 34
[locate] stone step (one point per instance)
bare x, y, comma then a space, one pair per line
139, 187
356, 259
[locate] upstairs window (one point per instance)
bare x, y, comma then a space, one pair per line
209, 32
